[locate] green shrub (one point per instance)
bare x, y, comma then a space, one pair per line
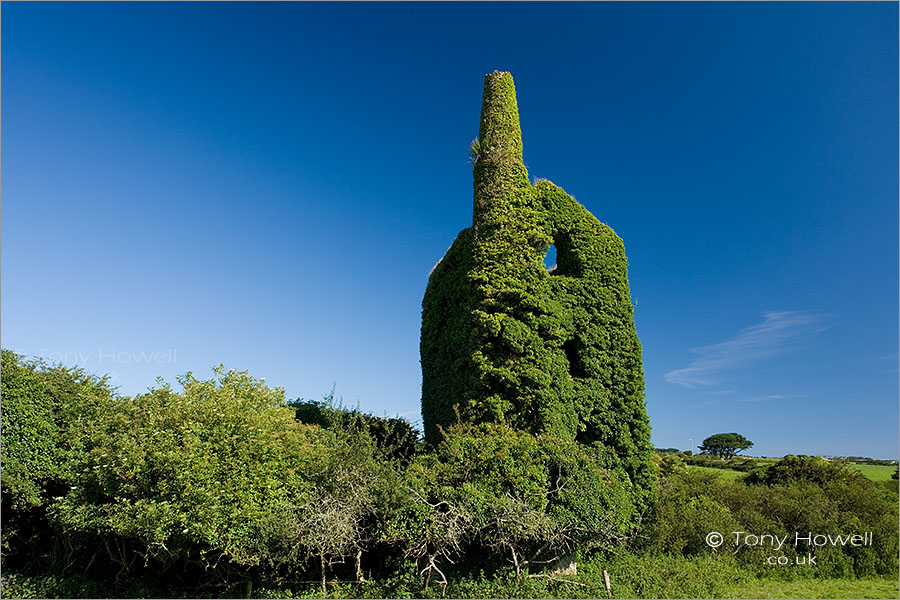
805, 497
664, 576
803, 468
202, 475
687, 510
394, 437
30, 450
668, 463
47, 418
498, 496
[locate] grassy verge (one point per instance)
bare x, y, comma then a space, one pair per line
818, 588
632, 576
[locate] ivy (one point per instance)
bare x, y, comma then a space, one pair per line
506, 341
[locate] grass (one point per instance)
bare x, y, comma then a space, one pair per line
875, 472
726, 473
875, 587
632, 576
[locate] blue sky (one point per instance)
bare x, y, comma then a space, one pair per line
268, 185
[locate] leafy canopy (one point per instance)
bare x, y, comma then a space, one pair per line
725, 445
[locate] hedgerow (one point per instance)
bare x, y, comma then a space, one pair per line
216, 489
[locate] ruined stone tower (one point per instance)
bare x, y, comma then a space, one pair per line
505, 339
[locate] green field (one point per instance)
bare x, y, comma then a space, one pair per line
875, 472
726, 473
818, 588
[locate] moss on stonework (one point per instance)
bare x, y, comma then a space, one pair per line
505, 340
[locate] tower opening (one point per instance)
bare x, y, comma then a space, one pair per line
550, 259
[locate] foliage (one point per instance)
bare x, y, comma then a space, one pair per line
803, 468
694, 503
737, 463
355, 494
504, 341
219, 480
394, 437
30, 453
725, 445
218, 490
47, 412
668, 463
494, 492
199, 476
474, 150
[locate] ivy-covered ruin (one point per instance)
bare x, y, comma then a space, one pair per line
506, 340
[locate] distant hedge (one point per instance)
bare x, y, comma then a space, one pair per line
506, 340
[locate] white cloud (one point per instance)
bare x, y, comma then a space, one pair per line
778, 333
773, 397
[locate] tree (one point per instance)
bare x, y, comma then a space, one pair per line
725, 445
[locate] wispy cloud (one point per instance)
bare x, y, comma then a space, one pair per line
778, 333
773, 397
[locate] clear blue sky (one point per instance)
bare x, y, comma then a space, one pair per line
268, 185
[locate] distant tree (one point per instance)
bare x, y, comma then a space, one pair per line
725, 445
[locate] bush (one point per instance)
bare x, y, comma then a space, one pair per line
394, 437
665, 576
803, 468
499, 496
804, 497
48, 415
744, 465
197, 477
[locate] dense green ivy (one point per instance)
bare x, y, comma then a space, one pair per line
506, 340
